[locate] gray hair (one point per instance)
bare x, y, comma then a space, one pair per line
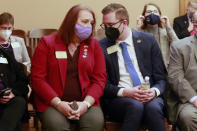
192, 4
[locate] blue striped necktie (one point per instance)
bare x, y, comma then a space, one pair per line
132, 72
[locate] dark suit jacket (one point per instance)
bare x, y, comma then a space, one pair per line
180, 26
13, 76
149, 60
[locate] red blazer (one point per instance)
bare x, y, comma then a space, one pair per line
48, 73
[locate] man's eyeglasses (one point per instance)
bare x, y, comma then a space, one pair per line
104, 26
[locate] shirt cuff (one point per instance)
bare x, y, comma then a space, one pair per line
193, 99
156, 90
120, 92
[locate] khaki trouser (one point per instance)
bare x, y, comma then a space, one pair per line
187, 119
53, 120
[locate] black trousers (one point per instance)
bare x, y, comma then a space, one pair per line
11, 114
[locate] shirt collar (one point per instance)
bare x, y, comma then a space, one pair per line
128, 40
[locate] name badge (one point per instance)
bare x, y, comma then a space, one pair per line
112, 49
3, 60
61, 54
15, 44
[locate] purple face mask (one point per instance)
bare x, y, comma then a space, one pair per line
83, 32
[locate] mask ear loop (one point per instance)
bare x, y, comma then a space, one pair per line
122, 29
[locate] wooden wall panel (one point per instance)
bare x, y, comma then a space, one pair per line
183, 6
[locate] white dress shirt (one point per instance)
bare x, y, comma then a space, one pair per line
125, 79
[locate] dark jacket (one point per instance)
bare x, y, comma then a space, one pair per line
180, 26
13, 75
149, 60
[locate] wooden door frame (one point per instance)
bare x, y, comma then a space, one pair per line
183, 6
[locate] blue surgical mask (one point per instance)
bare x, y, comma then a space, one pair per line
152, 19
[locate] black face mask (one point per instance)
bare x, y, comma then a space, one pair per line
112, 33
152, 19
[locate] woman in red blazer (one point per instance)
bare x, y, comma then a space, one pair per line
69, 66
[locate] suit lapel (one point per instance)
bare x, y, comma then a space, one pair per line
194, 45
137, 41
60, 46
113, 57
186, 21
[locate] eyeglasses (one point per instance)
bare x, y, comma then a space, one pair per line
104, 26
151, 11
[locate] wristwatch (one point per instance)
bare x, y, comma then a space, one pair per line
87, 103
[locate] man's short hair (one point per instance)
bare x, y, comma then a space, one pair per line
6, 18
120, 11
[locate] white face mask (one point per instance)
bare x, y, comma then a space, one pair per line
5, 34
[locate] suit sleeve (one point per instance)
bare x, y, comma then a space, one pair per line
171, 34
158, 68
111, 90
177, 80
180, 32
25, 56
98, 78
39, 73
20, 87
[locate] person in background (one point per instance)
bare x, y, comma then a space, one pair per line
125, 100
15, 45
182, 78
66, 67
13, 102
153, 22
183, 25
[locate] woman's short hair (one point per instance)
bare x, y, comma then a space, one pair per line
6, 18
66, 31
120, 11
144, 11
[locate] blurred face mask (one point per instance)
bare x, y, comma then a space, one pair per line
112, 33
152, 19
83, 32
5, 34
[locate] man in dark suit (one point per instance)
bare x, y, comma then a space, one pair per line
183, 26
124, 100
